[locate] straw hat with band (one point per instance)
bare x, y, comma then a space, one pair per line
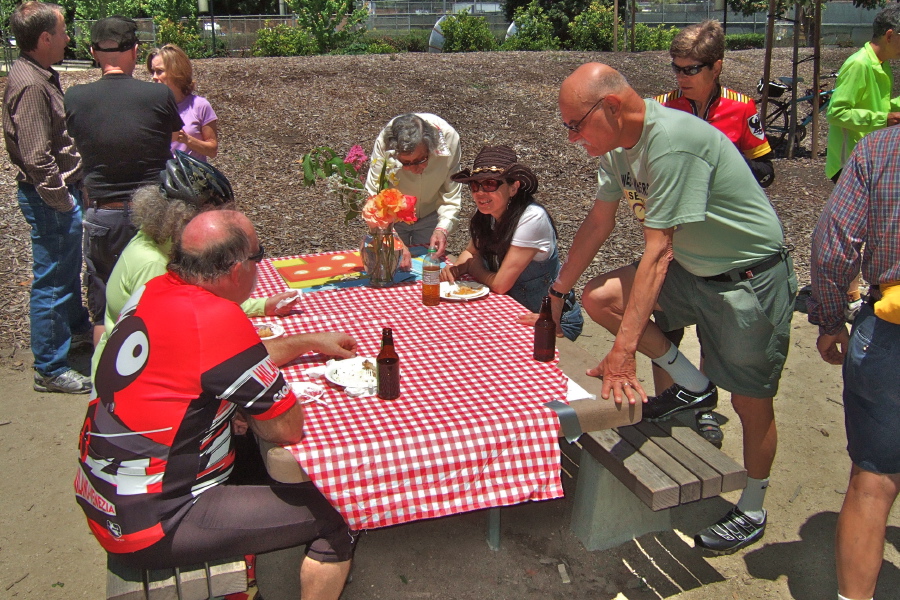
499, 162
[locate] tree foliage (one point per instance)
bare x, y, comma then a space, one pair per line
332, 23
560, 13
534, 31
467, 33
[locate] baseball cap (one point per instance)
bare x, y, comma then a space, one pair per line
118, 29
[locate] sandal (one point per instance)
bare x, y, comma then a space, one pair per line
708, 426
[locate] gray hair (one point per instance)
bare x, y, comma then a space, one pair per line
889, 18
30, 20
610, 82
160, 218
407, 132
215, 259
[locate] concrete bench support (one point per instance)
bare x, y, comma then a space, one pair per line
605, 513
664, 465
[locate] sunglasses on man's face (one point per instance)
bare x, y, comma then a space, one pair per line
691, 70
258, 256
415, 163
485, 185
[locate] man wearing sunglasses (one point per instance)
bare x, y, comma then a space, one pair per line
713, 256
428, 148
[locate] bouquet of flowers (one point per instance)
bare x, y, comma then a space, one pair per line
346, 176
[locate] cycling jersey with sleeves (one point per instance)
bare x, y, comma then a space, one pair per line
176, 366
732, 113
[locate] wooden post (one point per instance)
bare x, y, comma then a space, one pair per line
817, 60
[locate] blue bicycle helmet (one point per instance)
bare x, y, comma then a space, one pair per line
194, 182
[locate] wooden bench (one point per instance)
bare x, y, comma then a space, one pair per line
196, 582
664, 465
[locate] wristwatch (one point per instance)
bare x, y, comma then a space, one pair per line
556, 294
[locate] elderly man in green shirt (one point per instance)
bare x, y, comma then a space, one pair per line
862, 101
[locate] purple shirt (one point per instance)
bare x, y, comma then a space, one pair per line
196, 112
857, 228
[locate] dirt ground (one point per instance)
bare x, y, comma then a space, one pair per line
271, 111
46, 551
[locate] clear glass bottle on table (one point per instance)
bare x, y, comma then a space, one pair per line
388, 367
545, 333
431, 279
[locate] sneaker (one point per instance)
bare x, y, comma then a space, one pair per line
68, 382
708, 426
676, 399
852, 309
731, 533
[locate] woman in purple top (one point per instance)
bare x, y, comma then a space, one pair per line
199, 137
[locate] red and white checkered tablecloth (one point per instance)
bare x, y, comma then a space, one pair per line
469, 430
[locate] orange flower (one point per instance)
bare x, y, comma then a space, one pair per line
389, 206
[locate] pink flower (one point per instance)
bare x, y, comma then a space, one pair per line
356, 157
407, 213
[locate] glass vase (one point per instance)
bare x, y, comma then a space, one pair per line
380, 256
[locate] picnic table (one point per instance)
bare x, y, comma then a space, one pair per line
470, 429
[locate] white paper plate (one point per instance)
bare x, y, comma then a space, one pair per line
276, 329
352, 372
471, 290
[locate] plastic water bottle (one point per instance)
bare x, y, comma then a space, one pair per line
431, 279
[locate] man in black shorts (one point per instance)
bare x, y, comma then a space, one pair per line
156, 450
123, 129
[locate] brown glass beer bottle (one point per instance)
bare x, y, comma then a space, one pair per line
545, 333
388, 365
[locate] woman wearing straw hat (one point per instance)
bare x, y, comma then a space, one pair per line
513, 249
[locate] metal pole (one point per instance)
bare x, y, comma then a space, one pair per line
792, 134
212, 25
817, 44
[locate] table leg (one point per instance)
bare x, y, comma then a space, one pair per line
493, 534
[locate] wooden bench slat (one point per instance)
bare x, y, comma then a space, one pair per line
689, 483
635, 471
126, 583
734, 476
710, 479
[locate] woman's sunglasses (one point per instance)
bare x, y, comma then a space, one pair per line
689, 71
485, 185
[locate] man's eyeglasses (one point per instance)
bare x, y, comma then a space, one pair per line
578, 123
689, 71
258, 256
485, 185
415, 163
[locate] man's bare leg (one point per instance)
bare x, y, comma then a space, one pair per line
322, 581
760, 435
859, 543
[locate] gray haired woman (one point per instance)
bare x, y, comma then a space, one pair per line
428, 148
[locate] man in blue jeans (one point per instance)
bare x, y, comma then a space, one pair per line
49, 178
857, 232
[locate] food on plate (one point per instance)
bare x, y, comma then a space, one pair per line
265, 331
352, 372
464, 290
369, 366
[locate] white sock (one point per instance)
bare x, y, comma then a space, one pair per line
751, 502
845, 598
681, 370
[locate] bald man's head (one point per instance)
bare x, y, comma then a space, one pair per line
211, 244
589, 82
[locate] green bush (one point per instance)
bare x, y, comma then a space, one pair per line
745, 41
187, 37
534, 30
333, 24
652, 38
284, 40
592, 30
466, 33
415, 40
